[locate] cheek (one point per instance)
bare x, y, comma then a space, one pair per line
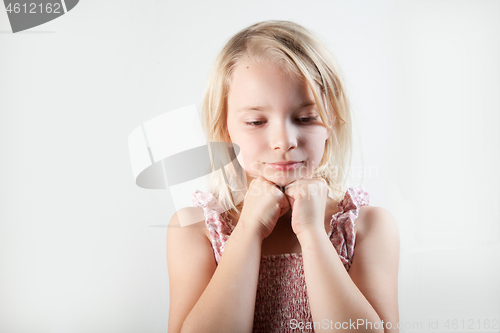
317, 148
249, 154
246, 149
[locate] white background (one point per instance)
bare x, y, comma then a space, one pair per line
77, 252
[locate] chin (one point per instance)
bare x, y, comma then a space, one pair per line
282, 181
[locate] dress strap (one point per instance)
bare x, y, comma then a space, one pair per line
342, 233
216, 222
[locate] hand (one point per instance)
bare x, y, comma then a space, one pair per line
307, 198
264, 204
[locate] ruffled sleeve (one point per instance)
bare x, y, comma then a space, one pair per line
217, 224
342, 233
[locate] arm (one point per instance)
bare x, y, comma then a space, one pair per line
210, 298
376, 262
204, 297
369, 291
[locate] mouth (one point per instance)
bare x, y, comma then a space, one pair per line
284, 166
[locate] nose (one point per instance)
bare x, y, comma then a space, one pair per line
283, 136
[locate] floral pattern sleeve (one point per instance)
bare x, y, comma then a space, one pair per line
217, 224
342, 233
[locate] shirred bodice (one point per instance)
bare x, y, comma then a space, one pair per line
281, 291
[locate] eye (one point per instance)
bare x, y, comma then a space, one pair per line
255, 123
306, 119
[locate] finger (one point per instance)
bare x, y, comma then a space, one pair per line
290, 192
291, 186
295, 189
281, 188
291, 199
284, 201
284, 204
285, 209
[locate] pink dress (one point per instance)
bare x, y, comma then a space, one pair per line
281, 291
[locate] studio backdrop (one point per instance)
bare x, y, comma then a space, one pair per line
82, 245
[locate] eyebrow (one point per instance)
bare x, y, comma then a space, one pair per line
263, 108
251, 108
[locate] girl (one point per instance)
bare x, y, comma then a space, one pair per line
288, 257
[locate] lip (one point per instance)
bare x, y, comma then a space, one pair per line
285, 166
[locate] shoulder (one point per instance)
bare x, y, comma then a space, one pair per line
188, 250
188, 216
377, 239
377, 233
373, 221
187, 222
375, 263
188, 247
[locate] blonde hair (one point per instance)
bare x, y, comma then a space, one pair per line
300, 52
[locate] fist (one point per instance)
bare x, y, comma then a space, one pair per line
264, 203
307, 199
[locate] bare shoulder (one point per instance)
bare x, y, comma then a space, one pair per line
373, 221
375, 263
188, 215
187, 237
191, 263
190, 220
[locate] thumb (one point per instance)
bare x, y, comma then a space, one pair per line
284, 205
290, 199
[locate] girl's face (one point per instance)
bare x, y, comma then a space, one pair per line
274, 120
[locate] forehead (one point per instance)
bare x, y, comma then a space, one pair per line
266, 82
278, 64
